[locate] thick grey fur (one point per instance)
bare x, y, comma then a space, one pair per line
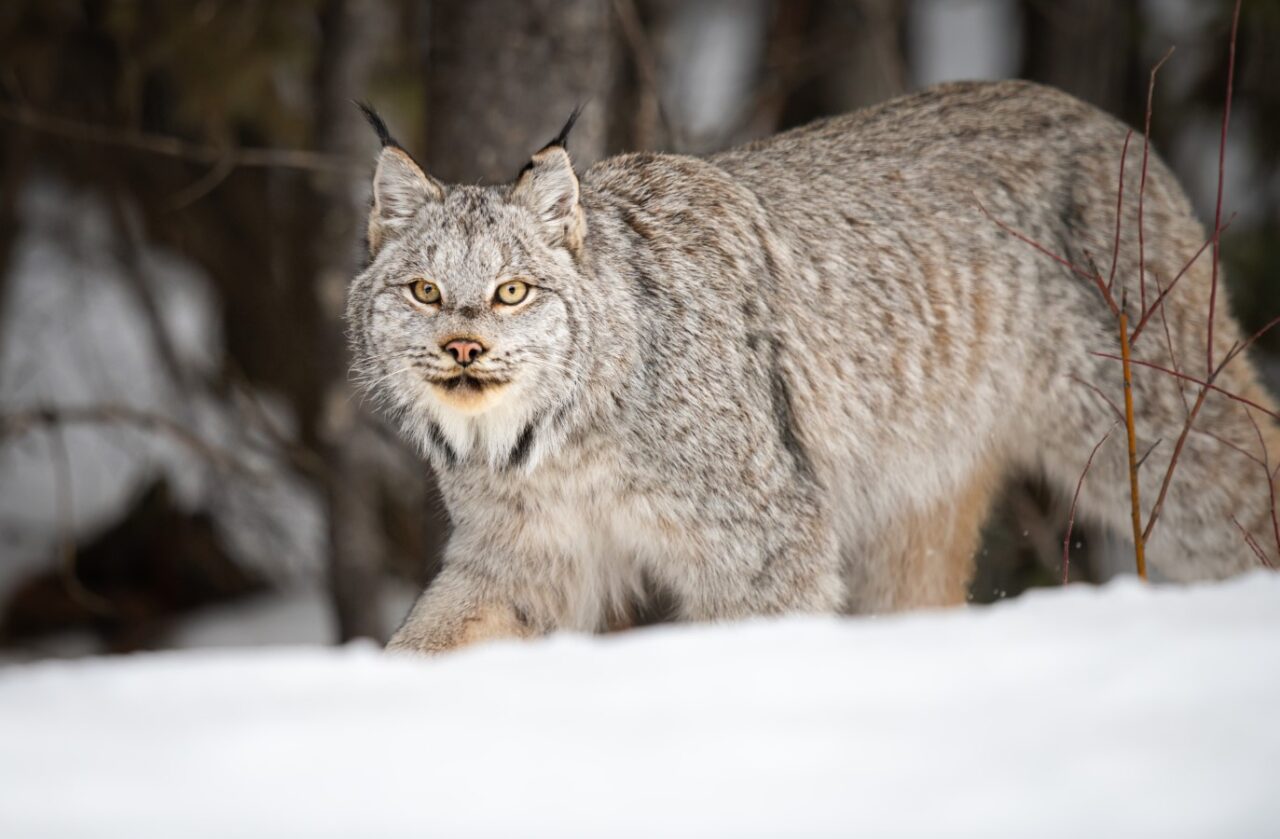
789, 377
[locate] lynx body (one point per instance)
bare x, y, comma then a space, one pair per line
789, 377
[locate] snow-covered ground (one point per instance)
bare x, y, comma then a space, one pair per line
1125, 711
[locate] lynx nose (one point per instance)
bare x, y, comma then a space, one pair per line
464, 350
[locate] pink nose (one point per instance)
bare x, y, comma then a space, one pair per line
464, 350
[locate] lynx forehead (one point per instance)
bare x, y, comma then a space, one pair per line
790, 376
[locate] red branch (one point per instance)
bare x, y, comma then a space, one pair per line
1252, 543
1222, 161
1137, 330
1271, 485
1204, 384
1142, 185
1071, 516
1115, 247
1114, 407
1092, 276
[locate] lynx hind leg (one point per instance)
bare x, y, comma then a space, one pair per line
1216, 477
925, 557
1219, 492
1218, 488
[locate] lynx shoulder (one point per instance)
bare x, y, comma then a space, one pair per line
790, 376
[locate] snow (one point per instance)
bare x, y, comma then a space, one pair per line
1126, 710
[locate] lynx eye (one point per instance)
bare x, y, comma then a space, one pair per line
512, 292
424, 291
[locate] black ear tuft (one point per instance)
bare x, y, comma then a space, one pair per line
384, 136
562, 139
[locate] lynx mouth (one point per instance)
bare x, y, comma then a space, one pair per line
467, 392
466, 382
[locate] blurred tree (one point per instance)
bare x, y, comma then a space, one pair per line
351, 32
841, 54
1249, 247
503, 75
1089, 48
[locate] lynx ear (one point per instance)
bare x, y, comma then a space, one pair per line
549, 187
400, 187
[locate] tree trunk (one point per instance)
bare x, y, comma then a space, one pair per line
1089, 49
503, 75
849, 56
351, 31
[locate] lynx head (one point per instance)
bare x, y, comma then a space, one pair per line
463, 324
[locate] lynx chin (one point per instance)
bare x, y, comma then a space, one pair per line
788, 377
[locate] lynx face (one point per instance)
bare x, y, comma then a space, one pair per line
462, 324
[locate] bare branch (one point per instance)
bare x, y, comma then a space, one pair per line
16, 424
1137, 330
1071, 515
1111, 402
1225, 442
1148, 452
1222, 162
1168, 341
1093, 277
1252, 543
1173, 462
1232, 396
1266, 473
174, 147
1142, 185
1115, 248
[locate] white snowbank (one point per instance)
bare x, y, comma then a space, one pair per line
1121, 712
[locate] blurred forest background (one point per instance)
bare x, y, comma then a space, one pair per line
182, 193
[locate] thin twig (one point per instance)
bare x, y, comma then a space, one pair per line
16, 424
1204, 384
1225, 442
1071, 515
1094, 277
1168, 341
1111, 402
1252, 543
1173, 462
1222, 162
1115, 248
1142, 184
1148, 452
1266, 473
306, 459
1240, 347
205, 184
173, 147
1146, 315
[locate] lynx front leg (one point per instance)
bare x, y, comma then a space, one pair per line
493, 586
459, 609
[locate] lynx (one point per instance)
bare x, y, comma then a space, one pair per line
789, 377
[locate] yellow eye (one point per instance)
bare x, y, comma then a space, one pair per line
425, 292
512, 292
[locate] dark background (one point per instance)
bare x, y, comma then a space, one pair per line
182, 189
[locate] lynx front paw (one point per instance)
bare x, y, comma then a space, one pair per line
426, 633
